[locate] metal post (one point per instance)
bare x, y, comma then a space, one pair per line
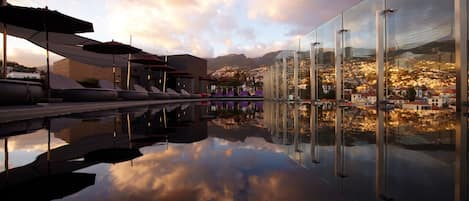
284, 122
338, 66
4, 76
313, 130
295, 74
284, 78
296, 127
461, 171
461, 37
312, 72
6, 156
380, 183
128, 67
380, 37
277, 80
338, 143
129, 130
48, 67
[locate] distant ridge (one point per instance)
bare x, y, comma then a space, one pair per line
240, 60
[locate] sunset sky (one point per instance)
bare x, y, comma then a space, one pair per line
205, 28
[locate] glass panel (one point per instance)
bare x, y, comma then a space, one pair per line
326, 58
421, 79
359, 65
305, 64
290, 73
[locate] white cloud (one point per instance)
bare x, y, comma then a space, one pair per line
205, 28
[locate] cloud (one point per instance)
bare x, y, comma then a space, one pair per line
177, 26
205, 28
301, 13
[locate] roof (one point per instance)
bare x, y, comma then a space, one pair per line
180, 55
417, 103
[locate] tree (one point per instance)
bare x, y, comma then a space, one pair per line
411, 93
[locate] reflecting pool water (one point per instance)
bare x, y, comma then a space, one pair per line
234, 151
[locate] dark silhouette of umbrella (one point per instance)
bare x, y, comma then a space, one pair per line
146, 59
112, 47
41, 20
48, 187
113, 155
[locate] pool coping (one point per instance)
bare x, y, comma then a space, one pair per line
19, 113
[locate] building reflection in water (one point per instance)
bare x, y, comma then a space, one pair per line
84, 140
376, 155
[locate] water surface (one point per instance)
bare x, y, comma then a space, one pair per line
232, 151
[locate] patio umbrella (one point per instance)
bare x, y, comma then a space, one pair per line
112, 48
41, 20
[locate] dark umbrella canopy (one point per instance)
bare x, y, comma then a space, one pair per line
146, 59
43, 19
113, 155
111, 47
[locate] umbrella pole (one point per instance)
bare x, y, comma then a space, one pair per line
164, 81
129, 130
128, 67
48, 68
4, 51
6, 155
128, 74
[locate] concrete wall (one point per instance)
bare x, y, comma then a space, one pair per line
79, 71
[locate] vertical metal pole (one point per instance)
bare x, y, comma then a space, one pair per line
295, 74
164, 81
312, 72
338, 67
284, 78
4, 65
380, 183
128, 67
380, 49
6, 156
296, 126
338, 143
129, 130
461, 36
461, 171
48, 66
277, 80
284, 122
313, 131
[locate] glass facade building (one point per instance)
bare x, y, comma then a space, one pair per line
390, 69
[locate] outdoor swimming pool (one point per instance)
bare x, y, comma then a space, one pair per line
231, 151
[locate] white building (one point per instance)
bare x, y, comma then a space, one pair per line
438, 100
417, 106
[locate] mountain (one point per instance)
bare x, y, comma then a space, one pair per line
240, 60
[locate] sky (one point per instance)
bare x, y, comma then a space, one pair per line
204, 28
